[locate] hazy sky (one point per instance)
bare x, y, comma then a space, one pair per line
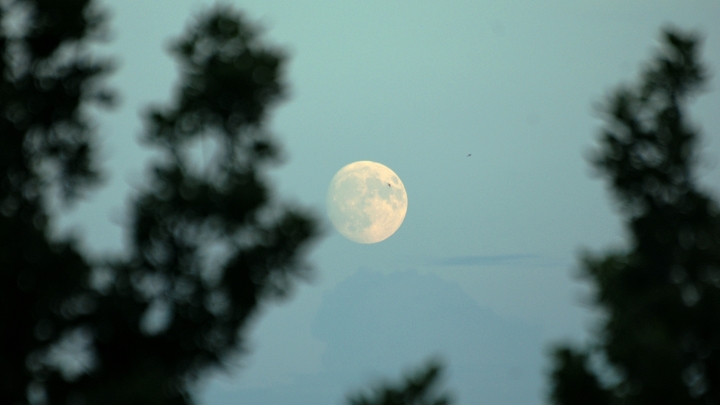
481, 271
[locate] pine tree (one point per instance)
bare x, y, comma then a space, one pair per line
45, 143
210, 242
661, 295
418, 388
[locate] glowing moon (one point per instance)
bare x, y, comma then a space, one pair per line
366, 202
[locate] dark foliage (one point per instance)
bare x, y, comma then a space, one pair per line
661, 295
209, 242
47, 77
419, 388
575, 383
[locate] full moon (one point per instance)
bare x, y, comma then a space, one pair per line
366, 202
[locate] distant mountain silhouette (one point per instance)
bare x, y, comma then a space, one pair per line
376, 324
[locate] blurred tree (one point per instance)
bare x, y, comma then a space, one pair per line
661, 296
209, 242
48, 78
418, 388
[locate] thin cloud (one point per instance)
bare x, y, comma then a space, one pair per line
494, 260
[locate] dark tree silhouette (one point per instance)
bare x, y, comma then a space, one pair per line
418, 388
209, 241
661, 295
45, 142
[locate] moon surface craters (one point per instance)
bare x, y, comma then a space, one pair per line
366, 201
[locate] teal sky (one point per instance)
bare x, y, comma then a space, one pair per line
481, 271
